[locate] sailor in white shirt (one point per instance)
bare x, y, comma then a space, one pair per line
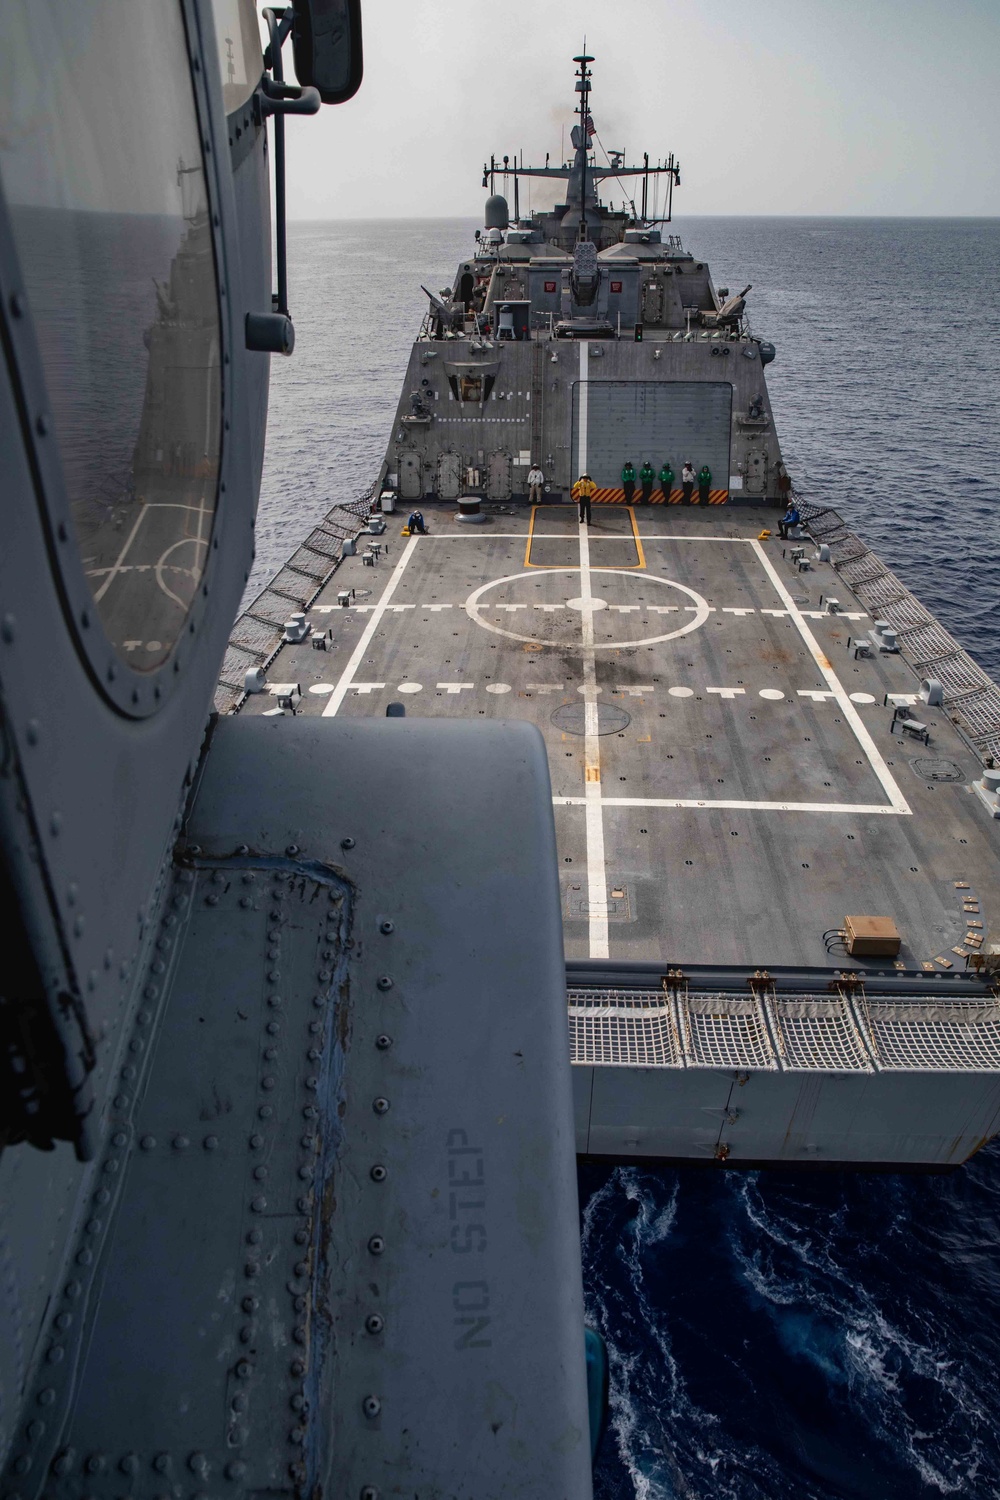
535, 481
687, 482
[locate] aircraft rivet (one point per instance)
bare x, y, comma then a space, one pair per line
297, 1367
63, 1461
236, 1469
369, 1492
312, 1083
256, 1141
387, 927
56, 1353
302, 1268
63, 1321
246, 1333
239, 1402
95, 1463
299, 1334
301, 1236
347, 843
246, 902
242, 848
129, 1463
198, 1464
384, 982
210, 1142
258, 1205
268, 1081
180, 1143
378, 1173
244, 1369
119, 1138
35, 1430
374, 1323
46, 1396
265, 1112
292, 850
161, 1463
260, 1173
310, 1112
371, 1406
376, 1244
250, 1304
380, 1105
251, 1269
383, 1042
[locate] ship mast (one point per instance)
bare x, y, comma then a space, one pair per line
582, 176
579, 183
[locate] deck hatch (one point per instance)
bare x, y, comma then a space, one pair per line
658, 420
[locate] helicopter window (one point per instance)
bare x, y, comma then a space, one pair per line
240, 55
108, 205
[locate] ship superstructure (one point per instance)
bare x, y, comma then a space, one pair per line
533, 354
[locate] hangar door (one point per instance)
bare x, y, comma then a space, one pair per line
657, 420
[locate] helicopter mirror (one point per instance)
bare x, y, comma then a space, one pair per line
326, 45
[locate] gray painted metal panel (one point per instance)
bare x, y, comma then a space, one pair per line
820, 1118
281, 1283
661, 421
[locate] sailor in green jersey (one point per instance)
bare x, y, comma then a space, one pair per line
628, 480
666, 482
646, 476
704, 483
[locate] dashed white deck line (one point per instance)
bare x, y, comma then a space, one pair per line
358, 654
597, 888
874, 756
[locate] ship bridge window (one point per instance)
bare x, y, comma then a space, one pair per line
108, 205
239, 44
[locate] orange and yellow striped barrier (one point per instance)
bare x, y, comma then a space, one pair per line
617, 497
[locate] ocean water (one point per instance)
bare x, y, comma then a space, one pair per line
824, 1337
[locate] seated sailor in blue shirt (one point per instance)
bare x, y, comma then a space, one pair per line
789, 519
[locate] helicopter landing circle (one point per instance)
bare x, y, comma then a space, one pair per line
476, 603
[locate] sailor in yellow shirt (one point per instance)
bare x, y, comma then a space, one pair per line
584, 491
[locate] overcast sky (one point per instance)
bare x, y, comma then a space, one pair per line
771, 106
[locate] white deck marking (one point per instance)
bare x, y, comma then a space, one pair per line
732, 805
875, 759
357, 656
727, 692
597, 880
99, 593
455, 687
581, 432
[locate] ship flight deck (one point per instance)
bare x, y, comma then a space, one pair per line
726, 783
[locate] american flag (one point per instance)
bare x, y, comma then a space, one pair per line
591, 127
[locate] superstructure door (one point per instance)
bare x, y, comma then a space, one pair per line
659, 420
498, 477
410, 484
755, 478
449, 474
